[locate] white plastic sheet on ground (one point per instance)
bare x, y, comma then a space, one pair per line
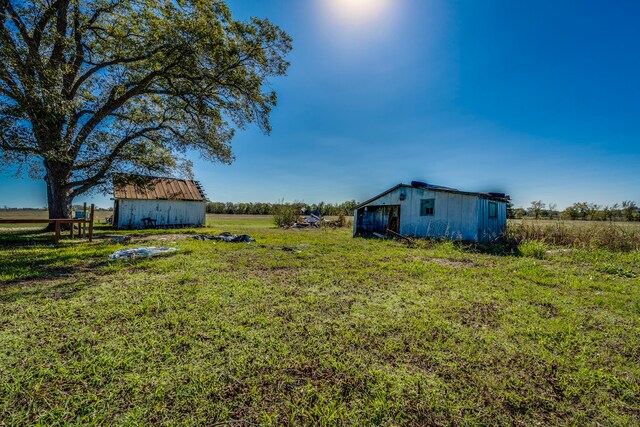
141, 252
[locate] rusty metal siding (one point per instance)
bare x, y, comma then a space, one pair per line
165, 212
162, 189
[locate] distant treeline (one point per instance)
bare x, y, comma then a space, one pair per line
624, 211
326, 209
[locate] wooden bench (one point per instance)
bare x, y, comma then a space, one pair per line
82, 224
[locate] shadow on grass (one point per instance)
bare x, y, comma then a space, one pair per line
503, 247
63, 282
23, 238
28, 261
47, 269
64, 290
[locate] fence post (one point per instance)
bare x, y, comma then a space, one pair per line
91, 223
83, 224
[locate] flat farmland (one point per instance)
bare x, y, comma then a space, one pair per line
314, 327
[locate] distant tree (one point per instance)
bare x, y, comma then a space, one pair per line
510, 209
629, 209
615, 211
349, 206
592, 211
93, 88
552, 210
582, 209
607, 213
536, 208
570, 212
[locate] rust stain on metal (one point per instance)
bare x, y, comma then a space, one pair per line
161, 189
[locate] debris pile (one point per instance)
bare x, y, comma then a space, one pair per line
141, 252
310, 220
390, 234
226, 237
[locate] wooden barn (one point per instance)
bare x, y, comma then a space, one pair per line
423, 210
160, 203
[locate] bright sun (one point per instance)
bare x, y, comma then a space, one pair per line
358, 12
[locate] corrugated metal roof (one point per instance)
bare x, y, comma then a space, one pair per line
161, 189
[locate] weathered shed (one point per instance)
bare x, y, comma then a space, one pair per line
160, 202
423, 210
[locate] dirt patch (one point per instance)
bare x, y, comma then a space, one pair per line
478, 314
546, 309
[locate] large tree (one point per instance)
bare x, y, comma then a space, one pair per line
94, 88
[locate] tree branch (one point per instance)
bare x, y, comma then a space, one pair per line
38, 31
57, 53
22, 29
108, 160
103, 65
113, 104
6, 146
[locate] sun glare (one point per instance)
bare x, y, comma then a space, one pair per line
358, 12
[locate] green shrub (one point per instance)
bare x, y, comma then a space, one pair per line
285, 214
533, 248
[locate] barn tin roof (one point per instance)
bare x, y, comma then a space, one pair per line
439, 188
161, 189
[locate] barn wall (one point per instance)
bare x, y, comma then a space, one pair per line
491, 228
456, 216
166, 212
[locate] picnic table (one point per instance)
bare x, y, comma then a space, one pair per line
82, 223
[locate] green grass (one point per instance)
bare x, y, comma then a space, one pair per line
313, 327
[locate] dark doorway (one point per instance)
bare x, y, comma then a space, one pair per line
377, 219
394, 219
116, 210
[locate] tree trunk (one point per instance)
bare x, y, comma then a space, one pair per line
58, 196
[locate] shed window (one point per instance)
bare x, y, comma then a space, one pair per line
493, 210
427, 207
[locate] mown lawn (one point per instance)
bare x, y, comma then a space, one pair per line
314, 328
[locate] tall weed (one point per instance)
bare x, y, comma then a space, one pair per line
596, 235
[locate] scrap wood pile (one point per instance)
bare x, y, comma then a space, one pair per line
307, 221
314, 220
390, 234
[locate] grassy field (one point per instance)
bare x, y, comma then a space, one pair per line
313, 327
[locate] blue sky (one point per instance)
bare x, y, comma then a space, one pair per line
537, 99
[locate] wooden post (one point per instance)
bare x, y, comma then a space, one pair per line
83, 224
57, 238
91, 223
71, 230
